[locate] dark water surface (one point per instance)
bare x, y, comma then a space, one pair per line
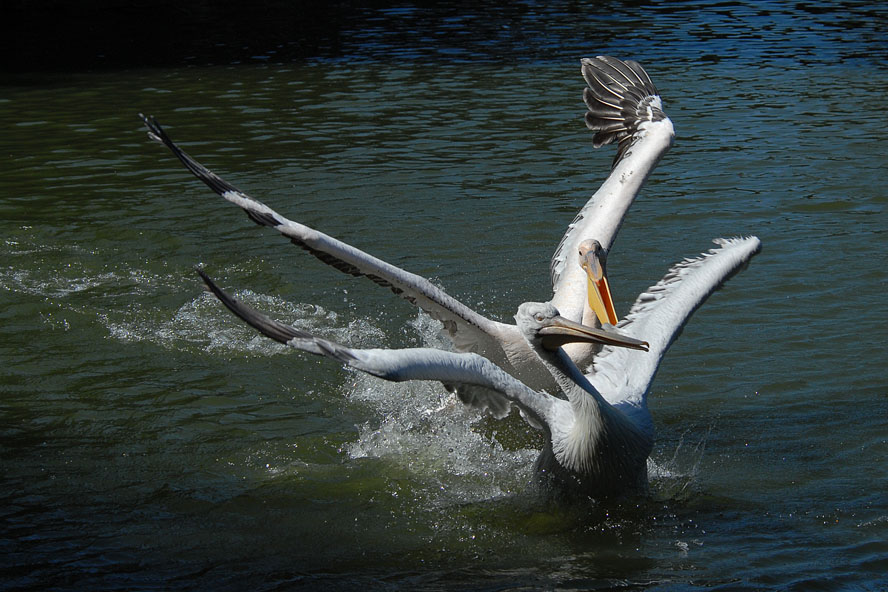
150, 441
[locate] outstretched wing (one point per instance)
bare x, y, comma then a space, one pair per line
397, 365
468, 330
659, 314
624, 107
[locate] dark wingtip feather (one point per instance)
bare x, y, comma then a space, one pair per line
210, 179
280, 332
620, 97
268, 327
155, 131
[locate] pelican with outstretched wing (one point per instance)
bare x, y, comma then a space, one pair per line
623, 107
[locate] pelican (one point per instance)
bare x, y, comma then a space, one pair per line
623, 107
592, 448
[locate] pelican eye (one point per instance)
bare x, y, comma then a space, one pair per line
540, 317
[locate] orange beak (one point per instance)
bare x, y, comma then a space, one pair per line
592, 260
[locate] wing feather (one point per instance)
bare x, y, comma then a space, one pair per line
620, 97
468, 329
660, 312
451, 368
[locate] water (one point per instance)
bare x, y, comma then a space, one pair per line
150, 441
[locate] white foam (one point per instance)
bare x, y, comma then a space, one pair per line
426, 430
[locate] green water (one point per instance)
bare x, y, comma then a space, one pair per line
149, 440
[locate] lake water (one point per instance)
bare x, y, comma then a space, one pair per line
148, 440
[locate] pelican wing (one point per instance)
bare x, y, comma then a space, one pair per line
624, 107
620, 97
469, 330
658, 315
398, 365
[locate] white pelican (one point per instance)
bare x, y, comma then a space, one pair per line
592, 448
624, 107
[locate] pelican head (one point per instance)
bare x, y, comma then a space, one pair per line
593, 260
543, 327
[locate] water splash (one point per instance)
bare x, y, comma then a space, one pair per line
440, 442
674, 478
202, 323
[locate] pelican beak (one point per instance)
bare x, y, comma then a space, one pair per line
592, 260
562, 331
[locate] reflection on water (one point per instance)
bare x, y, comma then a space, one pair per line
279, 32
149, 440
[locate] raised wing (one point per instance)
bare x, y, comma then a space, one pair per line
659, 313
397, 365
624, 107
